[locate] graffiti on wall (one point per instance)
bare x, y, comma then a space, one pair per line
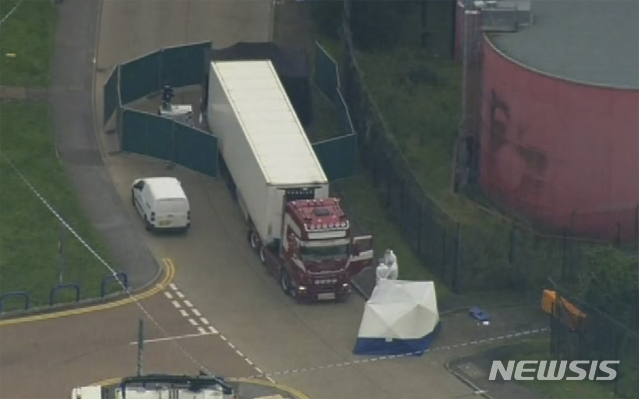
519, 169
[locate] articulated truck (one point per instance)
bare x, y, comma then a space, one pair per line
301, 234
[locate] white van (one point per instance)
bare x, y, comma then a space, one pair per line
162, 203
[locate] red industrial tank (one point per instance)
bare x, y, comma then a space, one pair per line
558, 151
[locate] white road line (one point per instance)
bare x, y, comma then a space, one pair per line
173, 287
239, 353
179, 294
184, 313
231, 345
168, 295
204, 321
176, 304
149, 341
201, 330
248, 361
189, 304
193, 322
213, 330
196, 312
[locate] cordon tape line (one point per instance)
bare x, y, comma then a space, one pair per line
101, 260
402, 355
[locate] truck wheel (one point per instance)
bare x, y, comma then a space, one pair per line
254, 241
285, 282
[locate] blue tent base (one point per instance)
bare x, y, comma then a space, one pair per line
381, 347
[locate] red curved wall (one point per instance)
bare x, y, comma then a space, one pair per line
551, 147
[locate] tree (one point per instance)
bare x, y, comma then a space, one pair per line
609, 282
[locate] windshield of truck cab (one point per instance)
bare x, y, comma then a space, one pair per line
316, 253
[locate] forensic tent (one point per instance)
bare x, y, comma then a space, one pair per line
401, 317
292, 69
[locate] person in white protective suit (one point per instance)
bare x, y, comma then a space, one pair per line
391, 262
382, 271
387, 268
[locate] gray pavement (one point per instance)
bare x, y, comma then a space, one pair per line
73, 124
46, 359
475, 369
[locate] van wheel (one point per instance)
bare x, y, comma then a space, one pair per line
263, 255
285, 282
147, 224
133, 197
254, 241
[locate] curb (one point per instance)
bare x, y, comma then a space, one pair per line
469, 383
13, 315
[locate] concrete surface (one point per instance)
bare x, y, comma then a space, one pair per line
46, 359
475, 368
72, 117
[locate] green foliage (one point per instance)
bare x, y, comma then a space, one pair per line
328, 17
609, 283
29, 232
28, 34
378, 24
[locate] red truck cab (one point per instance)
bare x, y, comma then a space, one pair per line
317, 255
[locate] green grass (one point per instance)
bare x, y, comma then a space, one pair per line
29, 232
358, 192
538, 350
28, 34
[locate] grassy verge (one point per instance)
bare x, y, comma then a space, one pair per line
28, 34
29, 232
366, 208
538, 350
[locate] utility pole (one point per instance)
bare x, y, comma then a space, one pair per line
61, 242
141, 347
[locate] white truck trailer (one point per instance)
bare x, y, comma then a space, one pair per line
300, 233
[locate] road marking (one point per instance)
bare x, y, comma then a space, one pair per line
174, 338
240, 353
168, 295
176, 304
187, 303
169, 275
179, 294
184, 313
213, 330
201, 330
193, 322
204, 320
231, 345
173, 287
402, 355
196, 312
248, 361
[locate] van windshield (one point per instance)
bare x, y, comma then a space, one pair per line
176, 205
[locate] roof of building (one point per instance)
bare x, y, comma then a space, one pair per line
588, 41
270, 122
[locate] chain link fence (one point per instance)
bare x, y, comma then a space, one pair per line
492, 252
595, 336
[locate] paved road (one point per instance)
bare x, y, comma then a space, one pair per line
216, 270
46, 359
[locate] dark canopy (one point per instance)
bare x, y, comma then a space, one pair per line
292, 71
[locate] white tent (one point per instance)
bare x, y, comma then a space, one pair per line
400, 317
